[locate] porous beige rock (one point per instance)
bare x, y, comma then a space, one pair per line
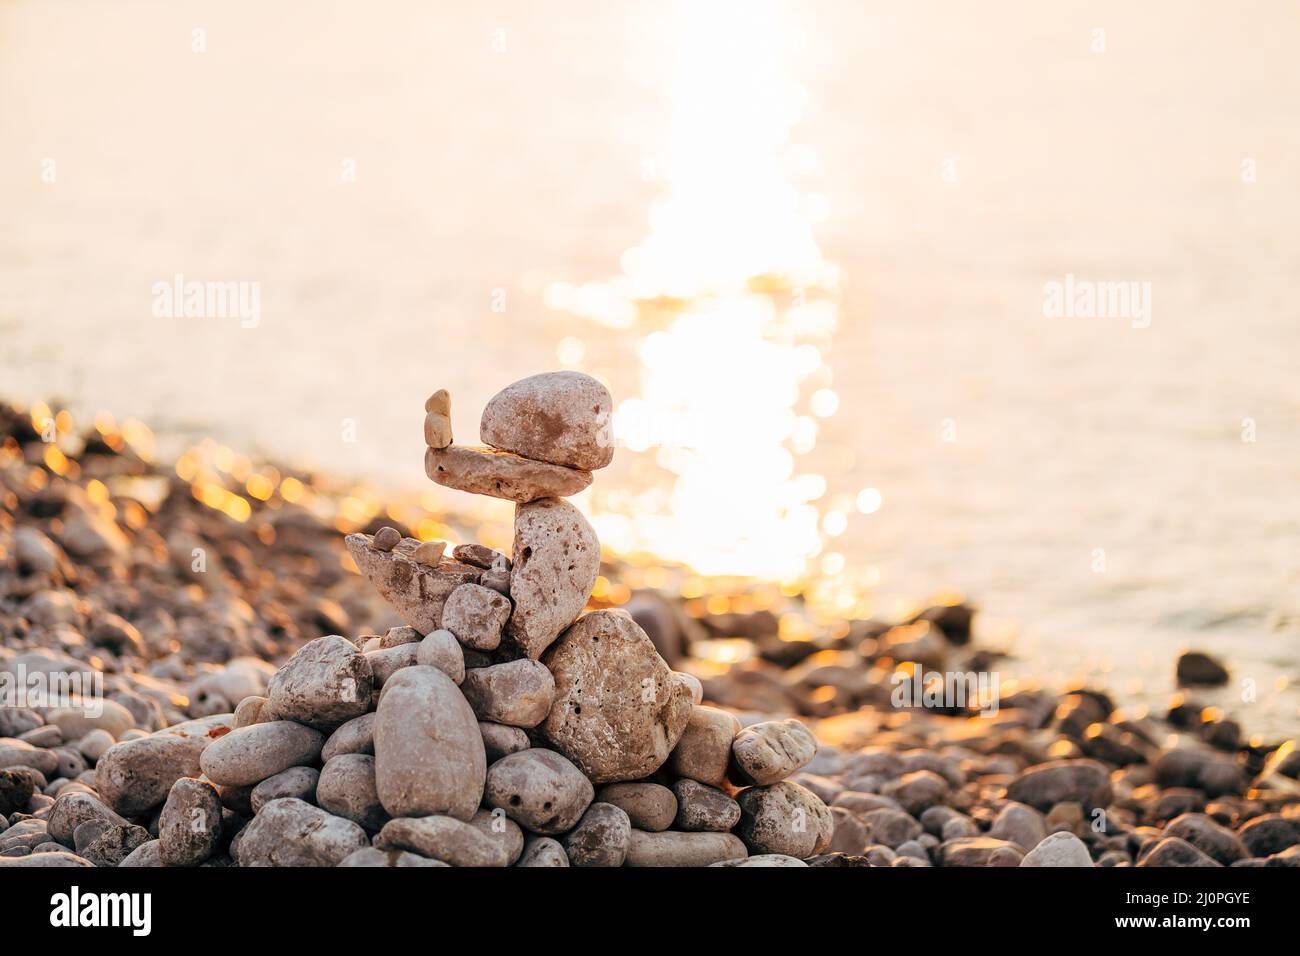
559, 417
516, 693
500, 474
416, 591
770, 751
429, 756
704, 751
326, 682
476, 615
618, 710
556, 561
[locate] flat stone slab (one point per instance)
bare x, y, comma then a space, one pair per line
416, 591
501, 474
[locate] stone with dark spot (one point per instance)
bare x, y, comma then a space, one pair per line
618, 710
559, 417
251, 754
556, 561
136, 775
540, 789
543, 852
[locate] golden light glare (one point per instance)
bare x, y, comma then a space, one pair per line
735, 304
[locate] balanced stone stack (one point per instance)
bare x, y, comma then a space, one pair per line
499, 726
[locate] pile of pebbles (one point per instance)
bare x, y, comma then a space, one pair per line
498, 724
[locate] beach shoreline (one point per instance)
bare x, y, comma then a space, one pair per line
185, 586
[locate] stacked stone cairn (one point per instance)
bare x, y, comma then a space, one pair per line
501, 726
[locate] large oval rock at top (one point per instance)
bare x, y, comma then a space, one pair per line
429, 756
618, 710
560, 417
556, 560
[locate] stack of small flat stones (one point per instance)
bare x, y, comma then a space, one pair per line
500, 726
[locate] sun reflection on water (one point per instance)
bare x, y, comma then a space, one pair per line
734, 307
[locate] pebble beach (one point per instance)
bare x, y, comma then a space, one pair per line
199, 671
